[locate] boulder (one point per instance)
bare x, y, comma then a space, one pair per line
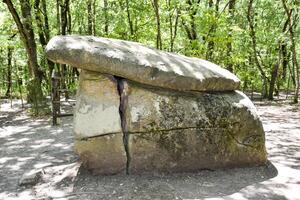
172, 131
140, 63
142, 110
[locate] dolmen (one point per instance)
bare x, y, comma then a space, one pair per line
141, 110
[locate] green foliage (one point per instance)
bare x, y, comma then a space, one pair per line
36, 98
219, 28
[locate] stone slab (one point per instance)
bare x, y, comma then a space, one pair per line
190, 150
103, 155
140, 63
97, 106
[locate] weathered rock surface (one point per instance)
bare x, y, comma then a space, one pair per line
164, 130
143, 110
174, 132
190, 150
97, 107
139, 63
31, 178
97, 124
103, 155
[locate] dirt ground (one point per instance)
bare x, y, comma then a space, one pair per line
28, 144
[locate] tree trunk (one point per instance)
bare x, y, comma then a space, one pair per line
190, 28
64, 16
94, 18
281, 52
229, 43
47, 35
291, 28
157, 16
69, 18
27, 36
212, 30
58, 4
285, 61
39, 22
173, 33
8, 74
188, 19
46, 21
90, 17
274, 75
129, 19
64, 25
250, 18
2, 72
106, 17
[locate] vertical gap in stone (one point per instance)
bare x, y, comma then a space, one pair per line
121, 84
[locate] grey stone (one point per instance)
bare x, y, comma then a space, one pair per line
31, 178
140, 63
188, 131
102, 155
193, 149
151, 109
143, 110
165, 130
97, 106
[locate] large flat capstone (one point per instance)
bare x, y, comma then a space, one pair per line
140, 63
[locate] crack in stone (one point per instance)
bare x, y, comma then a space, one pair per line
241, 143
175, 129
122, 90
150, 131
96, 136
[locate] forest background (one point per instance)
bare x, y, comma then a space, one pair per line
258, 40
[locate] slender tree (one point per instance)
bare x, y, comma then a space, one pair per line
292, 24
106, 17
173, 24
212, 29
155, 4
27, 36
190, 24
9, 71
250, 18
231, 9
130, 23
90, 17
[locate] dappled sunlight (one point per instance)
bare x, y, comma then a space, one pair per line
57, 181
283, 136
20, 141
283, 145
5, 159
197, 185
42, 143
29, 144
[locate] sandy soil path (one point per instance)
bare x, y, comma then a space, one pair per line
28, 144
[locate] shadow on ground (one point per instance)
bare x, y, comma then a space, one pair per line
33, 144
176, 186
